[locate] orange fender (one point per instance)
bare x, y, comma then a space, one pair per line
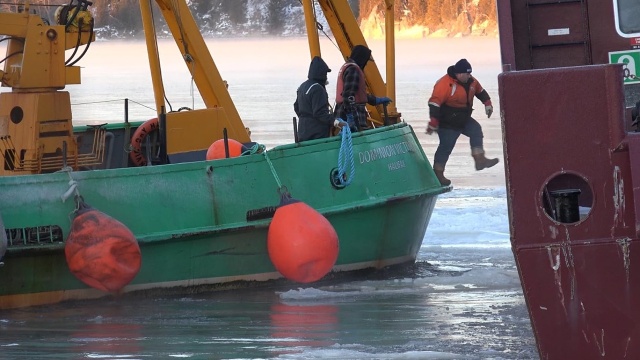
302, 243
136, 155
101, 251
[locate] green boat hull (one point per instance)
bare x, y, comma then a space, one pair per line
190, 219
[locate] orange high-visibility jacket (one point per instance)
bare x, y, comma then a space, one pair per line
451, 102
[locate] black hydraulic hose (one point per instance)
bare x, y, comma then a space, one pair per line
73, 17
12, 38
10, 55
13, 53
75, 50
82, 5
86, 47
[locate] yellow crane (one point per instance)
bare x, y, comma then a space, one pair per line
36, 70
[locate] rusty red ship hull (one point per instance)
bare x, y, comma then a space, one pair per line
572, 160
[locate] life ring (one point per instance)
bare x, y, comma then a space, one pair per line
136, 155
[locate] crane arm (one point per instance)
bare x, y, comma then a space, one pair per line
197, 57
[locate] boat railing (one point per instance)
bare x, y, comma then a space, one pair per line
36, 161
34, 236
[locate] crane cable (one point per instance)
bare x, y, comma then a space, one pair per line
320, 27
187, 57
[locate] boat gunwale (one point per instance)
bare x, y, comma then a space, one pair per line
179, 167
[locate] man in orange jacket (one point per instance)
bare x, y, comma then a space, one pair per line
450, 107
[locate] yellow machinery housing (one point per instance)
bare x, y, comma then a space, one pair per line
36, 130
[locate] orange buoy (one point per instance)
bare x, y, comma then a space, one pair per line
216, 150
101, 251
136, 155
302, 243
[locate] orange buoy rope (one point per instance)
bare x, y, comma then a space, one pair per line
136, 155
101, 251
302, 244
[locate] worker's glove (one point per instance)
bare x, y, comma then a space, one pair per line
339, 123
433, 126
382, 100
488, 108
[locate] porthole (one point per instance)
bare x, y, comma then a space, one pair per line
16, 115
567, 198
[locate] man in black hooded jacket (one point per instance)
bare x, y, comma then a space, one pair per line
351, 90
312, 104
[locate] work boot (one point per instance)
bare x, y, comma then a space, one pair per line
481, 161
439, 170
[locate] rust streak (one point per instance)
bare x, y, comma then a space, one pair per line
618, 198
554, 261
624, 246
568, 257
600, 344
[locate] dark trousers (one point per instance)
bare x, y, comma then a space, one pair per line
448, 138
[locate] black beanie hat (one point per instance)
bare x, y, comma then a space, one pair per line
462, 66
360, 54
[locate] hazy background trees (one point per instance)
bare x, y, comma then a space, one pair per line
121, 18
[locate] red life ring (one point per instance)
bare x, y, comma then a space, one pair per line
136, 155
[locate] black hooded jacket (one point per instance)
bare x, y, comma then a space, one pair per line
312, 103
